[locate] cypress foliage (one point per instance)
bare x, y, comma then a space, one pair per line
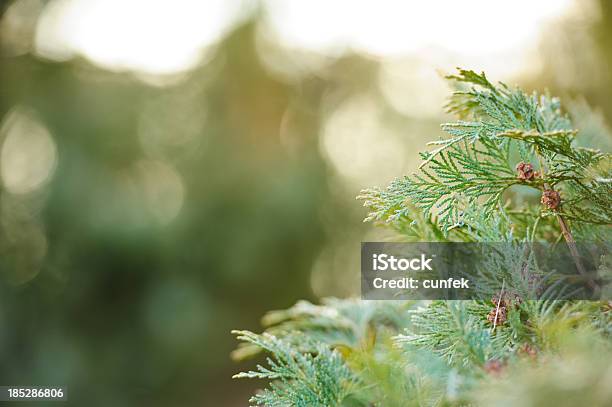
502, 351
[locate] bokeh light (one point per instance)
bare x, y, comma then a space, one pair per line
358, 143
148, 36
28, 156
391, 27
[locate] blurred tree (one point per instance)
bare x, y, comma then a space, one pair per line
174, 213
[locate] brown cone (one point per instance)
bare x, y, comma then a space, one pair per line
551, 199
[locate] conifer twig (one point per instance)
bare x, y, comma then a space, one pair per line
565, 231
501, 295
571, 243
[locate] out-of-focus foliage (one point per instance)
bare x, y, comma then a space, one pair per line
335, 322
141, 221
578, 373
169, 210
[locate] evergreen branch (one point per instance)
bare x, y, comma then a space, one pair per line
448, 329
475, 165
299, 379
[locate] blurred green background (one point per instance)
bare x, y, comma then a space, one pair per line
173, 169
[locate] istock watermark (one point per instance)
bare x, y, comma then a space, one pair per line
381, 262
480, 270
